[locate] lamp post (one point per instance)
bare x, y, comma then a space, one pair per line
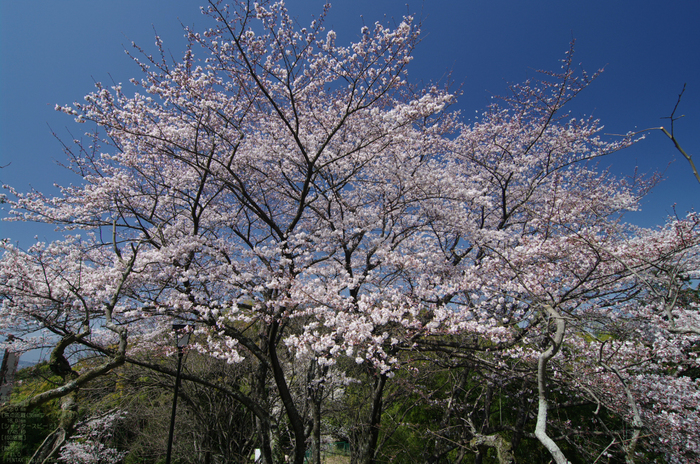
182, 338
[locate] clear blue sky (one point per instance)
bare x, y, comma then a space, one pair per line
51, 51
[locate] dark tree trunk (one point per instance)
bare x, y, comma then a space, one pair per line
263, 426
364, 448
59, 365
315, 389
295, 420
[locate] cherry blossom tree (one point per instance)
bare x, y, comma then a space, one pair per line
300, 202
88, 445
225, 189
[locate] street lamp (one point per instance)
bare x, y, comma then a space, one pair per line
182, 339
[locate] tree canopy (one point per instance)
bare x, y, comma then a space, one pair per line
307, 208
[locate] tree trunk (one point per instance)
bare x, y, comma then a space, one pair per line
59, 365
50, 447
315, 391
263, 426
364, 447
540, 428
295, 420
316, 431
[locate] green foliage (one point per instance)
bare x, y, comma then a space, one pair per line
26, 429
433, 410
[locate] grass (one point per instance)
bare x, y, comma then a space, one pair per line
335, 459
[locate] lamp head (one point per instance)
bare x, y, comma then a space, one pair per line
182, 335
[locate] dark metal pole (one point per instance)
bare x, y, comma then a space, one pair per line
172, 417
177, 388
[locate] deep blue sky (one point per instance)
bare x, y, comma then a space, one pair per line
51, 51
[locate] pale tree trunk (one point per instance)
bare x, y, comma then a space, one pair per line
540, 428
